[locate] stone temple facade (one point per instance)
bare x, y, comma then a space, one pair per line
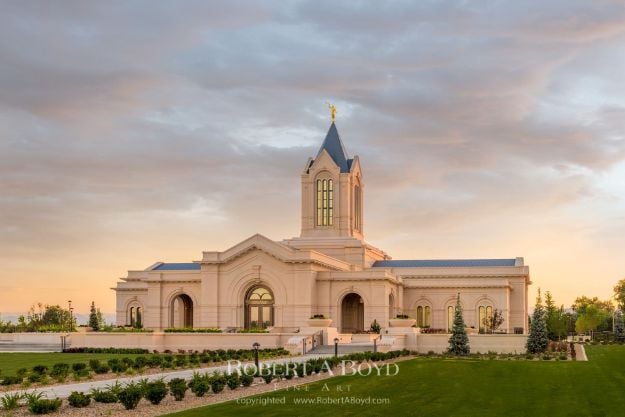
328, 270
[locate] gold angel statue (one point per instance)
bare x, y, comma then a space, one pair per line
332, 108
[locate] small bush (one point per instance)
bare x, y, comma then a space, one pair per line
218, 383
102, 369
60, 371
116, 366
140, 362
40, 369
199, 384
43, 406
155, 392
178, 388
181, 361
79, 399
267, 377
155, 361
11, 380
233, 381
94, 364
247, 380
103, 396
10, 401
130, 396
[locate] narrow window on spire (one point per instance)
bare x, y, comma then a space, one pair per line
357, 208
325, 203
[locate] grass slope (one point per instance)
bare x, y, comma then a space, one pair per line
11, 362
438, 387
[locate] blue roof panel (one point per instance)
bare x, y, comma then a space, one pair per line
190, 266
334, 146
443, 263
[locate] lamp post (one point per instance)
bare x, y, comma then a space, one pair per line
375, 345
336, 347
71, 318
256, 345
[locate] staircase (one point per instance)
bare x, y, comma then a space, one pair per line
343, 349
29, 347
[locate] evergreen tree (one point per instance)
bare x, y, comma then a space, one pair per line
459, 341
93, 318
537, 341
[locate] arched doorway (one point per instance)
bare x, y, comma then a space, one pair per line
352, 313
181, 312
259, 303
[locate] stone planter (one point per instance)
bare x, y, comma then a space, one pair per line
401, 322
319, 322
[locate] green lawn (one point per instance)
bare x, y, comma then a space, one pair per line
438, 387
11, 362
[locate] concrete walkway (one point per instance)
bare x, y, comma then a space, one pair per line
63, 391
580, 352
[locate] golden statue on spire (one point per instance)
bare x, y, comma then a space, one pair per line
332, 108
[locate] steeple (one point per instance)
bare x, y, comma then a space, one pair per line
332, 192
334, 146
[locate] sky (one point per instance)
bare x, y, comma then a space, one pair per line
136, 132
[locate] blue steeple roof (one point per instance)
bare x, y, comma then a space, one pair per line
334, 146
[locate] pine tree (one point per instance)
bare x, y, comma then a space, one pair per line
537, 341
93, 318
459, 341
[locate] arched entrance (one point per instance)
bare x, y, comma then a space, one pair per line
181, 312
352, 313
258, 308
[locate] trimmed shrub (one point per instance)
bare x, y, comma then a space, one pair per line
181, 361
79, 368
140, 362
43, 406
199, 384
60, 371
125, 351
178, 388
156, 391
154, 361
40, 369
103, 396
247, 380
130, 396
233, 381
116, 366
94, 364
79, 399
11, 380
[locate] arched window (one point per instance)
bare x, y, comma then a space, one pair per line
485, 318
258, 308
131, 316
450, 317
424, 316
325, 202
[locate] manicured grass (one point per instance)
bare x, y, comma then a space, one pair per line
11, 362
439, 387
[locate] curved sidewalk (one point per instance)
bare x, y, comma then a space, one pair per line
63, 391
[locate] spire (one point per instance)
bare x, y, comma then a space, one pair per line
334, 146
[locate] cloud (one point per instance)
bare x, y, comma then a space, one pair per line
138, 131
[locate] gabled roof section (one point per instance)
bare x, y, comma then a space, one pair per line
177, 266
444, 263
334, 146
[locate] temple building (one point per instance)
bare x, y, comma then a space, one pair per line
329, 270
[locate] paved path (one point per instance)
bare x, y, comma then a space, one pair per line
63, 391
580, 352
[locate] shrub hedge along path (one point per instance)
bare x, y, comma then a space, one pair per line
461, 387
10, 362
63, 391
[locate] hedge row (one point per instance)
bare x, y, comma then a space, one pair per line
61, 371
131, 394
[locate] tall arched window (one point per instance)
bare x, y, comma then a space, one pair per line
424, 316
450, 317
258, 308
131, 316
485, 317
325, 202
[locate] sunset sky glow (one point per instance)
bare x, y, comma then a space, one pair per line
136, 132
